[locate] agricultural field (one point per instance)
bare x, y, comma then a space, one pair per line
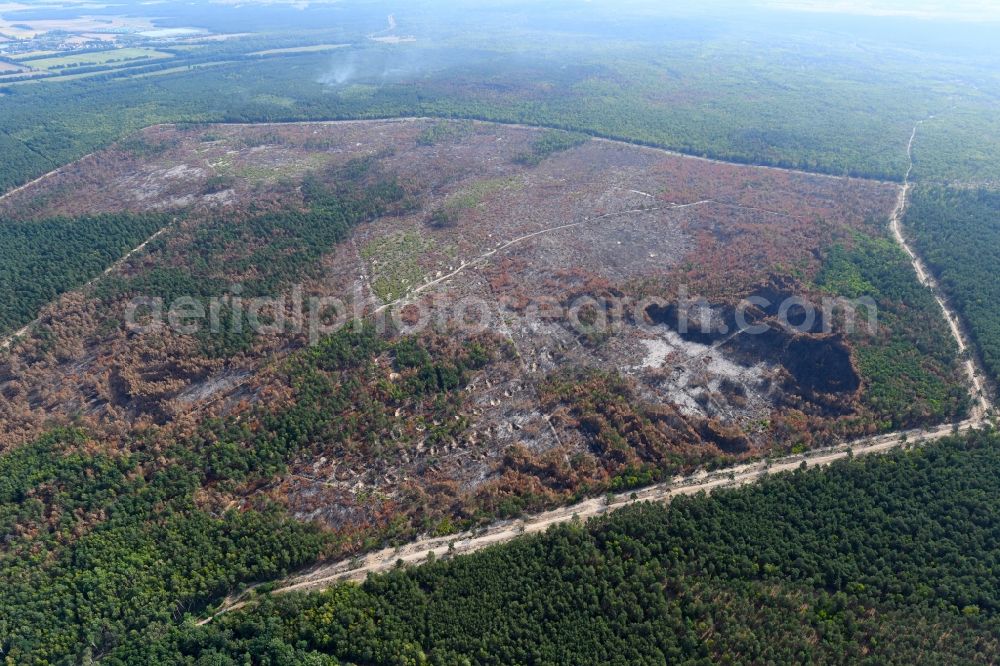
91, 27
33, 54
313, 48
516, 244
107, 57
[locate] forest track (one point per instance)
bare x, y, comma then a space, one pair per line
45, 176
411, 119
6, 343
974, 372
594, 137
357, 569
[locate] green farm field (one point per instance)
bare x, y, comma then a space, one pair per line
112, 56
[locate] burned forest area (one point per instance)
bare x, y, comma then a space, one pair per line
535, 316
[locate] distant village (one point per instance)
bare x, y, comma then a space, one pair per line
56, 41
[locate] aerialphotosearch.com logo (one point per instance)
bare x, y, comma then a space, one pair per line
320, 316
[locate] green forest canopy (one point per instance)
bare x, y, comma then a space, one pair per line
885, 560
41, 260
957, 231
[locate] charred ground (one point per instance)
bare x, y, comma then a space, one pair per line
375, 429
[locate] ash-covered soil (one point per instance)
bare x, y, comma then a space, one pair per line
569, 264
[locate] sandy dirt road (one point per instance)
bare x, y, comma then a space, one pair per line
5, 343
43, 177
618, 142
327, 575
974, 373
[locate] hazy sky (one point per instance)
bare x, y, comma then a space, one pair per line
966, 10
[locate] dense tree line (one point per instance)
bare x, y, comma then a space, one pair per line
886, 560
909, 362
631, 100
41, 260
100, 547
957, 231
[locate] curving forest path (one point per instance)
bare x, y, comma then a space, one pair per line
982, 403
